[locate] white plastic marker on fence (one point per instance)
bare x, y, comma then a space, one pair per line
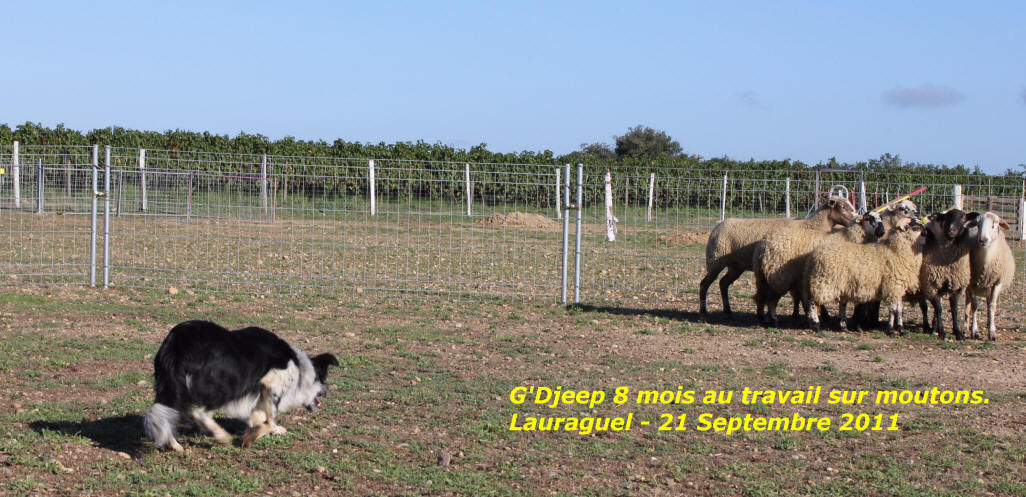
787, 197
466, 180
611, 220
723, 200
106, 216
16, 176
92, 236
559, 205
956, 193
651, 195
142, 176
370, 181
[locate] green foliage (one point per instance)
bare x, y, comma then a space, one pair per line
646, 143
338, 169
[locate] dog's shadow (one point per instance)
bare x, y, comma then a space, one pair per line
120, 433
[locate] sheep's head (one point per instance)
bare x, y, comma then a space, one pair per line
903, 210
950, 224
872, 223
990, 226
841, 211
910, 231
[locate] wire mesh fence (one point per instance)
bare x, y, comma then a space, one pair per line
286, 225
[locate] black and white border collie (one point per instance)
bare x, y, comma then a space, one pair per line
250, 374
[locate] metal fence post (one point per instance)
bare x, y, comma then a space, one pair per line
106, 217
566, 224
577, 250
466, 180
956, 192
40, 179
92, 236
142, 177
723, 199
651, 196
263, 182
559, 205
370, 180
16, 176
787, 197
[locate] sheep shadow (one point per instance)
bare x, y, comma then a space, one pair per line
738, 318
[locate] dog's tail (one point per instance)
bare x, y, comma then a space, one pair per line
159, 424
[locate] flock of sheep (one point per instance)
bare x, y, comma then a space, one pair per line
885, 257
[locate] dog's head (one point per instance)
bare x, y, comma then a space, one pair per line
319, 386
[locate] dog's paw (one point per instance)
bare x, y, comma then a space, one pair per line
249, 437
175, 446
279, 430
223, 438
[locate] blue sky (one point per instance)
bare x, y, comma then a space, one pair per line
936, 82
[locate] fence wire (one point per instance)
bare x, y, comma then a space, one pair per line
288, 225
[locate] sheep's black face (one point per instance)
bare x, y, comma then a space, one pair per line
873, 223
951, 223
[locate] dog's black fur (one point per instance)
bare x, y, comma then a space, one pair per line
251, 373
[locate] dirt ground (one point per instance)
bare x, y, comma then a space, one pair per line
421, 404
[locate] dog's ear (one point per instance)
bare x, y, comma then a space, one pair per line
321, 363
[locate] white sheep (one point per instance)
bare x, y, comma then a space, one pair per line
779, 259
732, 243
945, 271
845, 272
868, 315
992, 267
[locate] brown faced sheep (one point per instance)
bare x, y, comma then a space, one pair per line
843, 272
945, 271
732, 244
992, 267
779, 259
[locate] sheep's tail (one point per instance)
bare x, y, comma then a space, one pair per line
159, 424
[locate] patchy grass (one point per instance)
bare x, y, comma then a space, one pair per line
420, 381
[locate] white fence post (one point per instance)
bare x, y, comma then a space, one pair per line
651, 195
956, 192
1022, 219
723, 199
40, 183
263, 182
466, 178
92, 236
787, 197
106, 216
863, 204
16, 176
142, 177
370, 181
611, 220
559, 206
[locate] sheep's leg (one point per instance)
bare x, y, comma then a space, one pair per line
901, 325
892, 319
703, 288
842, 314
926, 316
733, 273
938, 320
971, 306
814, 316
771, 309
992, 302
797, 301
956, 321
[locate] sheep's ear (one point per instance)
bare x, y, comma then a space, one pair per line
832, 202
972, 215
933, 217
1003, 224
